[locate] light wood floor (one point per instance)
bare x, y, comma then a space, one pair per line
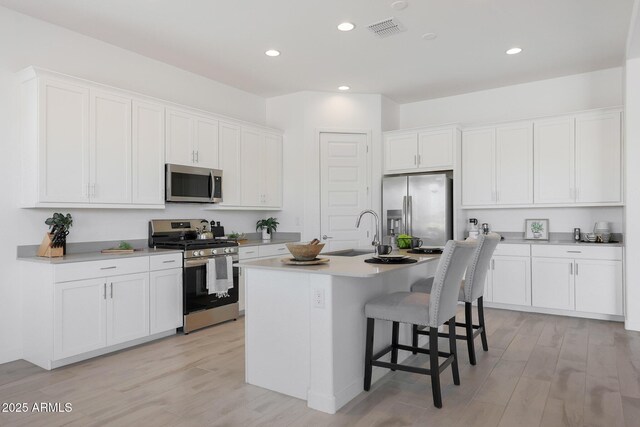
540, 371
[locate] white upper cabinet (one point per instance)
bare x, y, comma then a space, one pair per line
229, 155
148, 153
56, 124
436, 149
514, 164
400, 152
554, 160
262, 169
598, 158
192, 140
272, 179
421, 150
110, 148
478, 167
252, 165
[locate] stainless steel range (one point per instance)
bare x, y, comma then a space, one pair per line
200, 308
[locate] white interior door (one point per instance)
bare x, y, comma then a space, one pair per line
343, 190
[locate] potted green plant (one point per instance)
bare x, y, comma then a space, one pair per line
59, 225
267, 226
537, 229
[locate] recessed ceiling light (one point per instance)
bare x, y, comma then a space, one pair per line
429, 36
346, 26
514, 51
343, 88
399, 5
272, 52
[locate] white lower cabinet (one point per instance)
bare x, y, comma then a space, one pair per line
127, 308
79, 317
553, 283
598, 286
511, 280
165, 296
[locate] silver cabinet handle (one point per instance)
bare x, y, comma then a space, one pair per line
415, 160
282, 249
571, 269
167, 262
325, 237
419, 159
250, 252
577, 268
108, 268
410, 215
111, 286
104, 291
574, 252
493, 264
193, 156
197, 156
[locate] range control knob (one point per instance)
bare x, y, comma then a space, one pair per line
214, 251
197, 253
227, 250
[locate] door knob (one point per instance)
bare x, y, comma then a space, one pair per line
325, 237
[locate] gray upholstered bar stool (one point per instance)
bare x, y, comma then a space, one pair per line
471, 289
431, 310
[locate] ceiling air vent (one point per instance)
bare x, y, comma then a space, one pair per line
386, 27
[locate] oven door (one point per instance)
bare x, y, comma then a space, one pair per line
196, 295
192, 184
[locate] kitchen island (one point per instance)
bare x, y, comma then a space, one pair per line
305, 325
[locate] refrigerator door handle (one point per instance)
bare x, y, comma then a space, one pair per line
404, 215
410, 215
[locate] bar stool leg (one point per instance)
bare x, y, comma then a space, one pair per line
434, 367
394, 342
483, 334
468, 322
453, 350
414, 339
368, 354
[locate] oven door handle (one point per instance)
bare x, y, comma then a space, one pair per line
196, 262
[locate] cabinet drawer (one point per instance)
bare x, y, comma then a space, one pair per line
248, 252
513, 249
272, 250
577, 252
106, 268
164, 262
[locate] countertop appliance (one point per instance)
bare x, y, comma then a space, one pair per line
192, 184
200, 309
419, 205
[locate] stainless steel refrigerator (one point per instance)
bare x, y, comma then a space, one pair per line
419, 205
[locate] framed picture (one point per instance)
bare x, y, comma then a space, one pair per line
536, 229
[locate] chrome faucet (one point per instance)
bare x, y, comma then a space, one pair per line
375, 243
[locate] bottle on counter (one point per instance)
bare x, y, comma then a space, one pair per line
473, 228
485, 228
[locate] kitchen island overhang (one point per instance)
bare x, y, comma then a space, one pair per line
305, 326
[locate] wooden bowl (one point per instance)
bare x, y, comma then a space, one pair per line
304, 251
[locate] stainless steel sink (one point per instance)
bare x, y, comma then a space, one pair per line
350, 252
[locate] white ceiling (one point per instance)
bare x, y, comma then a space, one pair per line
226, 40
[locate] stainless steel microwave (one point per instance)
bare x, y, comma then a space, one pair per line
192, 184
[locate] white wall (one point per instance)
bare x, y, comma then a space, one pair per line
390, 114
541, 98
632, 156
25, 41
301, 116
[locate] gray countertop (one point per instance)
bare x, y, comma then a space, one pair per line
96, 256
267, 242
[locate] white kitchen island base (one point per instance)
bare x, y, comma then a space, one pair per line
305, 328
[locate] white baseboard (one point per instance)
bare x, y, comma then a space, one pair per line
553, 311
632, 326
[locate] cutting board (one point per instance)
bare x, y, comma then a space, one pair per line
118, 251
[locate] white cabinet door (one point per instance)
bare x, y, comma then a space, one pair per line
487, 296
554, 161
148, 153
230, 163
206, 143
552, 283
514, 164
79, 317
127, 307
110, 148
599, 286
400, 152
165, 296
436, 148
511, 280
478, 167
252, 164
179, 138
63, 142
272, 172
598, 158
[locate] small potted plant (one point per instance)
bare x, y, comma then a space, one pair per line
537, 229
267, 226
55, 243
